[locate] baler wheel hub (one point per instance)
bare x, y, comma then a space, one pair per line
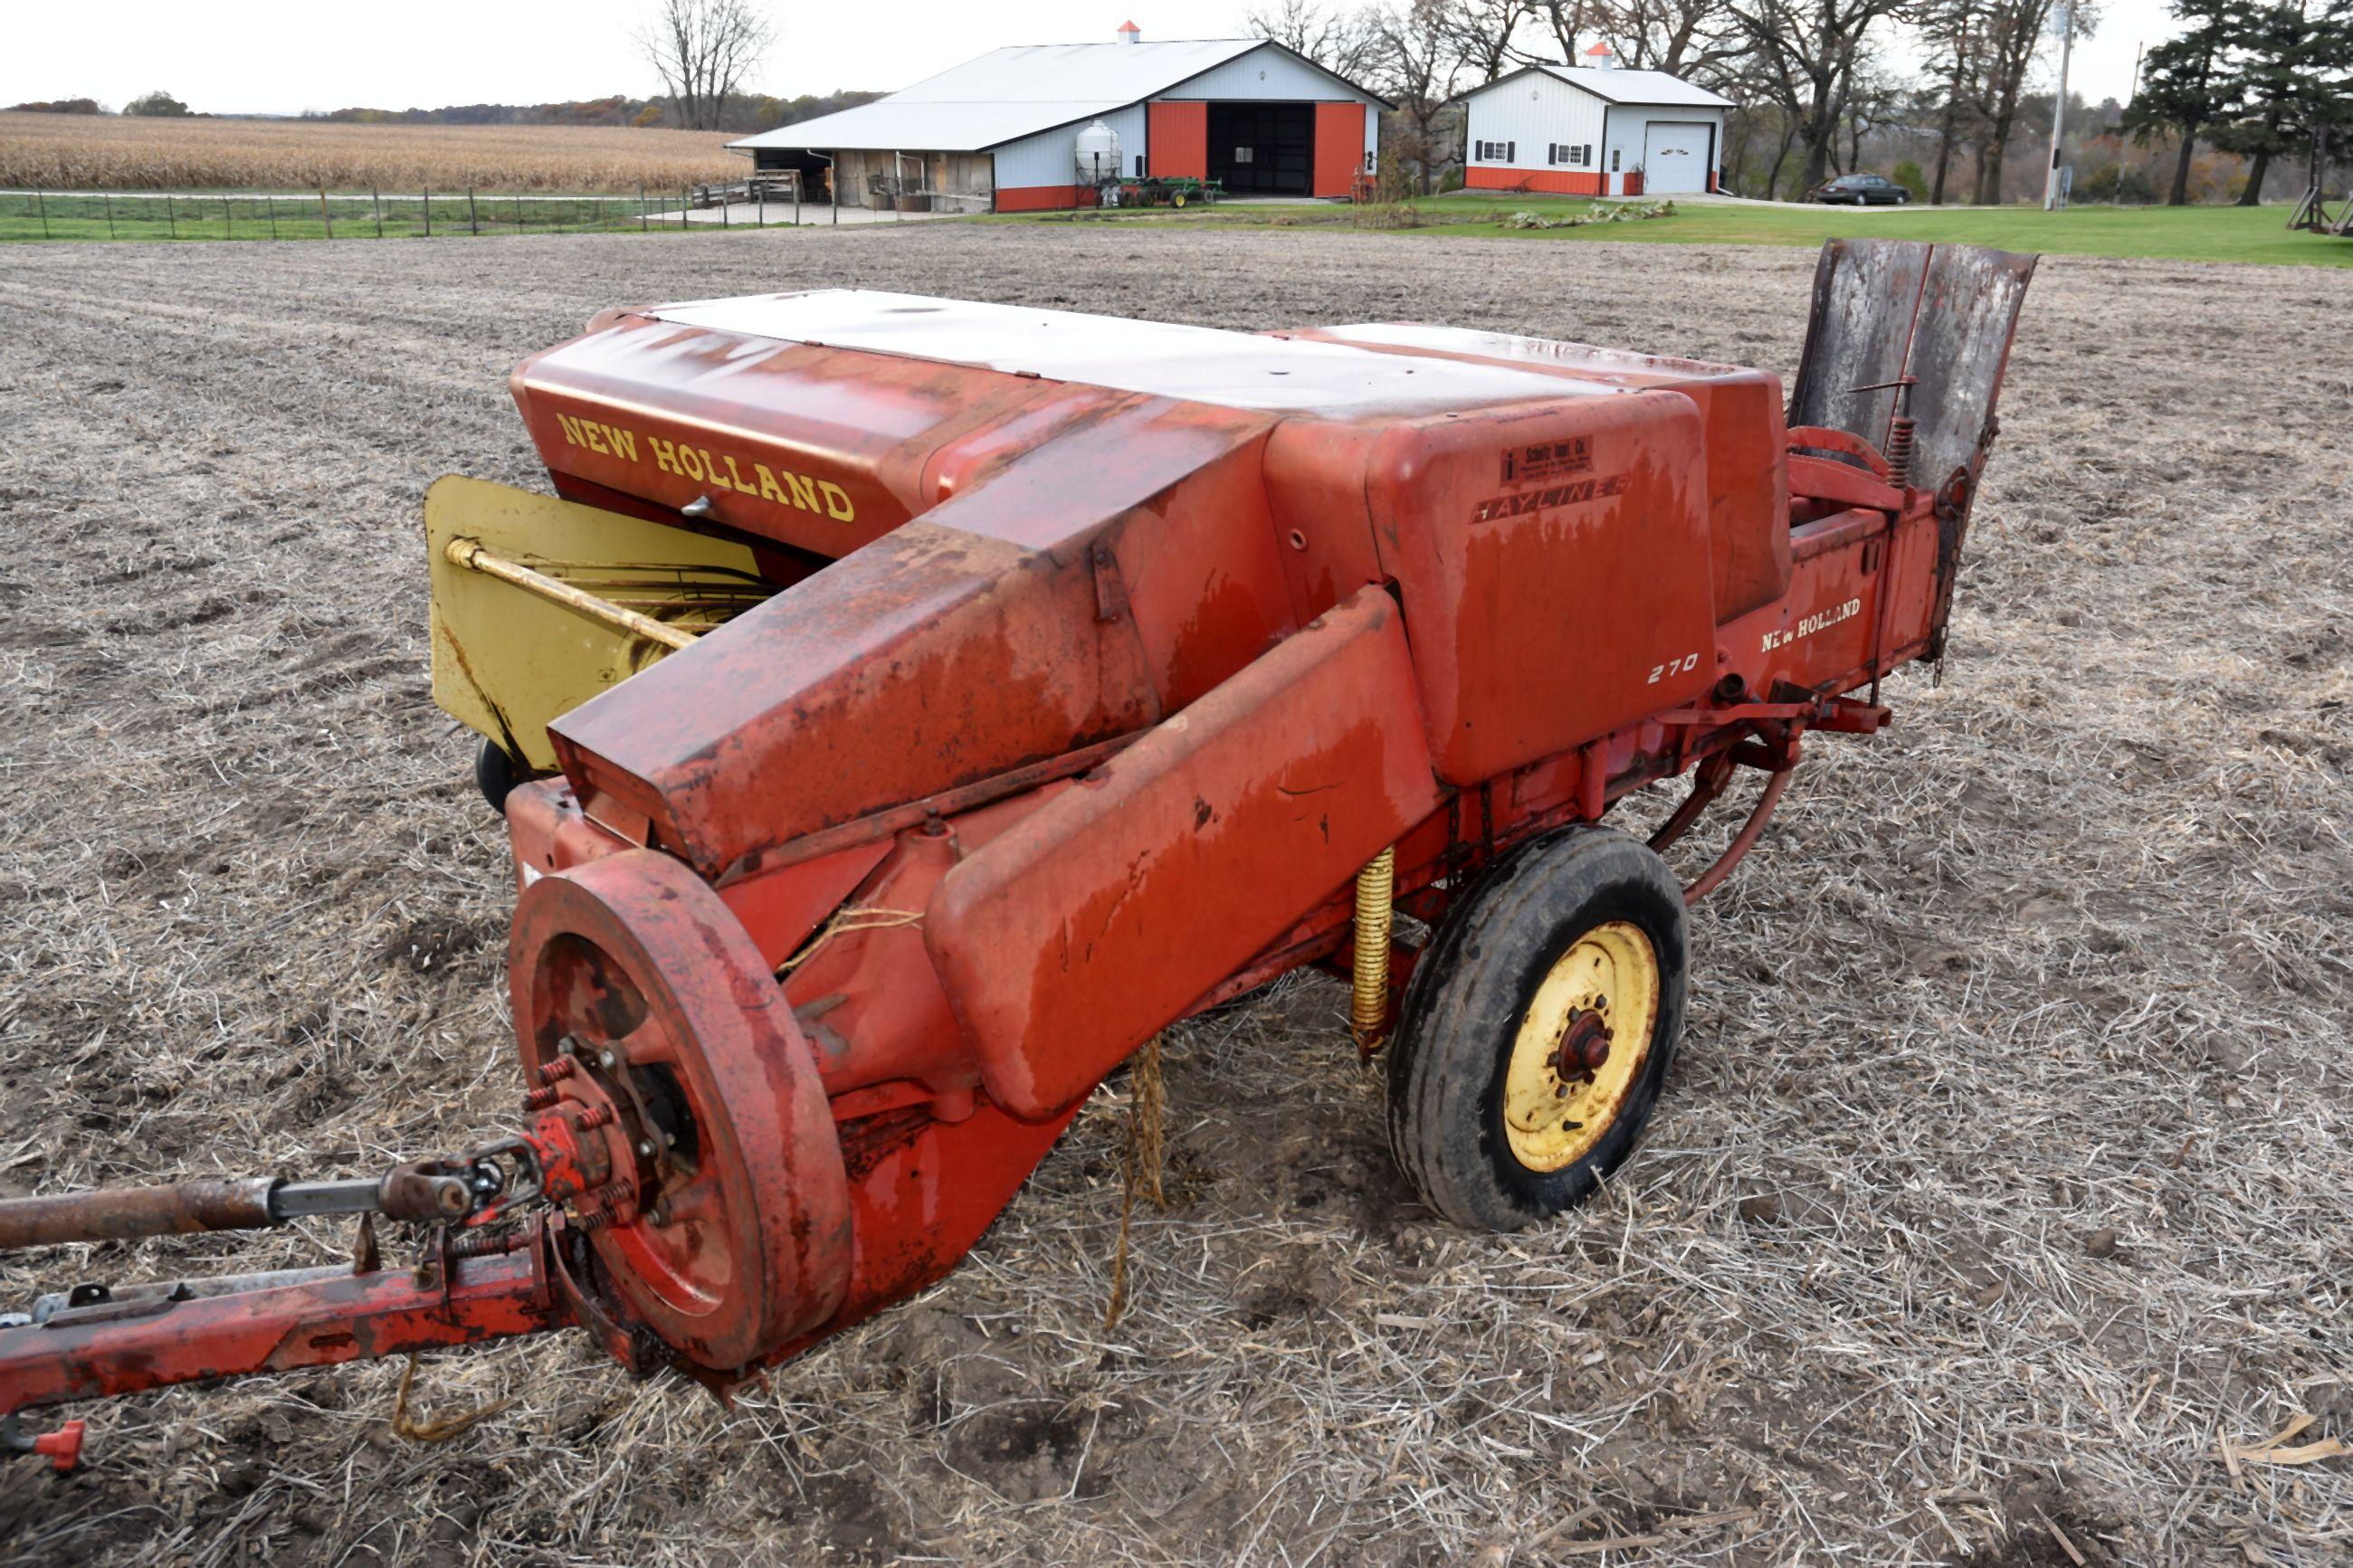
1581, 1045
712, 1184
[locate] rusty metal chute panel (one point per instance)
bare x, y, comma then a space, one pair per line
1746, 449
1555, 570
1955, 340
931, 657
1045, 609
1117, 905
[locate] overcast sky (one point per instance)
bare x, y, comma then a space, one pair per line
281, 57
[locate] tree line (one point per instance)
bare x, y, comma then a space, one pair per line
1953, 88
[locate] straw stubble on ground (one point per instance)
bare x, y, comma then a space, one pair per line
2000, 1184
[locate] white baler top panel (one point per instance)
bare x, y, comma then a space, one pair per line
1158, 359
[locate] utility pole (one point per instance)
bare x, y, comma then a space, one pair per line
2059, 107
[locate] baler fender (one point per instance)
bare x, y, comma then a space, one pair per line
1069, 939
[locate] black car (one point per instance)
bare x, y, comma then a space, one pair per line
1861, 191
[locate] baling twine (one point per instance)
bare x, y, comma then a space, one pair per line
1146, 1099
849, 918
439, 1428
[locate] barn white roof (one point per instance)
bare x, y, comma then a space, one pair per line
1010, 93
1637, 87
1619, 86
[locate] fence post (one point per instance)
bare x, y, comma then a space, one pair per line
328, 222
42, 203
642, 224
759, 206
375, 200
228, 224
685, 203
169, 216
108, 202
520, 226
269, 206
428, 212
474, 214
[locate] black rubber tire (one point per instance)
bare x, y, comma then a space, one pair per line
497, 773
1448, 1055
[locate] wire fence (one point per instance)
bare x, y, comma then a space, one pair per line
384, 214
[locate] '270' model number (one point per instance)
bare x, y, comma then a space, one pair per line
1809, 624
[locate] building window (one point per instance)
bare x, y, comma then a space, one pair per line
1496, 152
1573, 154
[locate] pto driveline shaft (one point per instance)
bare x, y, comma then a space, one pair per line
257, 1202
122, 1213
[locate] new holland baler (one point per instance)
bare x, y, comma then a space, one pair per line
904, 710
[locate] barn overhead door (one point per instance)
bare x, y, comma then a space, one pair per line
1675, 157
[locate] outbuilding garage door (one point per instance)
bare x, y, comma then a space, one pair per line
1675, 157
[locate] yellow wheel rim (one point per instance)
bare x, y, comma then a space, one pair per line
1582, 1047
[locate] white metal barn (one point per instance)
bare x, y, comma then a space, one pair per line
1593, 131
1002, 133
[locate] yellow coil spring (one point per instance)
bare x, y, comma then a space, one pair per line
1368, 1012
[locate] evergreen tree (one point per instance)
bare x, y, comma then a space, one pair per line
2186, 85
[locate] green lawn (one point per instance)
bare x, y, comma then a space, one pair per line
234, 215
2188, 233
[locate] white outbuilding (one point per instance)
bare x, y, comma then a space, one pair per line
1594, 130
1044, 125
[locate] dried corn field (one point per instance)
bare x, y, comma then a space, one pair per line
105, 152
1997, 1212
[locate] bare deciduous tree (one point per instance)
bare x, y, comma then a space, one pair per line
1485, 34
1416, 65
1342, 41
1696, 39
1804, 54
702, 49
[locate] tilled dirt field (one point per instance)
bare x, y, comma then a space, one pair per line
2000, 1196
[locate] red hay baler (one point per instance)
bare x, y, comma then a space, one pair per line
904, 709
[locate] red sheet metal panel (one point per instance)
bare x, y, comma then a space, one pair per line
1043, 199
1556, 182
1177, 140
1554, 565
812, 447
1339, 147
1116, 907
1747, 487
930, 658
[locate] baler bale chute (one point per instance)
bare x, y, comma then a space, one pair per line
904, 709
